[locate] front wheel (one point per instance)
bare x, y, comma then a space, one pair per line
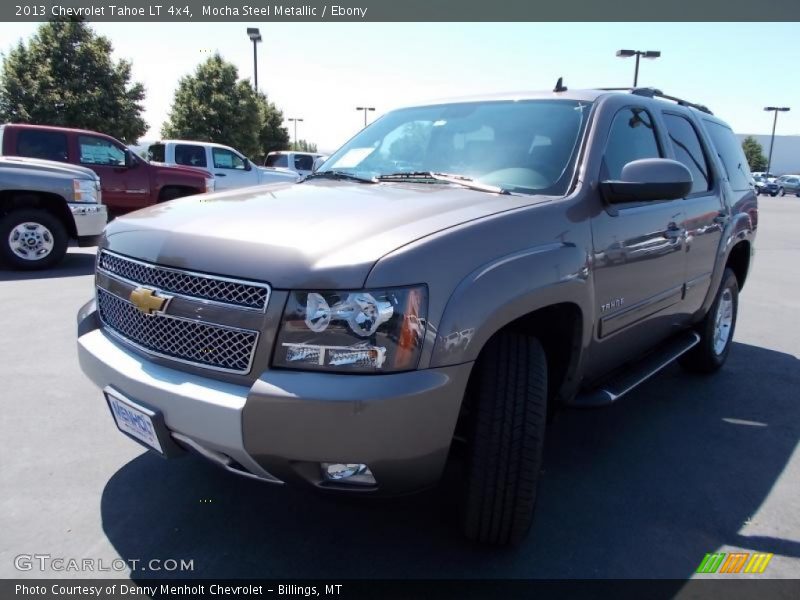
716, 329
32, 239
505, 457
781, 192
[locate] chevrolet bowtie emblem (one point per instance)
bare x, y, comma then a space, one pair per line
148, 301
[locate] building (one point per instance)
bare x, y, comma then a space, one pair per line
785, 152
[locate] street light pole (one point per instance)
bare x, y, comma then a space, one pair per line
295, 120
776, 110
652, 54
365, 109
255, 36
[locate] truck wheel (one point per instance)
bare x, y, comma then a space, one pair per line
32, 239
506, 442
716, 329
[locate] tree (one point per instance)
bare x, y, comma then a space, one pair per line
754, 154
304, 146
65, 76
214, 105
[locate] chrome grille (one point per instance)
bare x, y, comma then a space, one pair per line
212, 346
196, 285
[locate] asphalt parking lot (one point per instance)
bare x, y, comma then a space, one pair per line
683, 466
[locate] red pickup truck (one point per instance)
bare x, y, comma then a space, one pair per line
128, 182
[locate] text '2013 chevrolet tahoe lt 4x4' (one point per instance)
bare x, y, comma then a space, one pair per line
450, 275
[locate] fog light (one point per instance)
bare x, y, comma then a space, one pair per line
350, 473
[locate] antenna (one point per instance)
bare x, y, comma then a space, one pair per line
560, 87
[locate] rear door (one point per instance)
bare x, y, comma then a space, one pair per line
639, 262
704, 208
124, 186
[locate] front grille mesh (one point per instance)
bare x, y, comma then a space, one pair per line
205, 287
194, 342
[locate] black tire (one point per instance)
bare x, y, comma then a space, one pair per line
704, 357
781, 192
505, 454
52, 231
171, 193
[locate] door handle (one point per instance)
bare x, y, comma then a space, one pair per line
220, 174
673, 232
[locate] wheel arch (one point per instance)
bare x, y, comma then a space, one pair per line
54, 204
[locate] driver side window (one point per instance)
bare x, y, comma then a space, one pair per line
632, 137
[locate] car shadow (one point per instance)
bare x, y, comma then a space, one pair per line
642, 489
74, 263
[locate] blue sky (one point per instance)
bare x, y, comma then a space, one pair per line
321, 71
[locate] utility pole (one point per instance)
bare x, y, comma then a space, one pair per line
776, 110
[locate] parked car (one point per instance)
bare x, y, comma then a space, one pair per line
42, 205
301, 163
435, 285
766, 185
788, 184
231, 169
128, 181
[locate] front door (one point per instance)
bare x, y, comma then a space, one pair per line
125, 187
639, 260
231, 170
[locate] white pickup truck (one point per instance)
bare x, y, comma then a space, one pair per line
230, 168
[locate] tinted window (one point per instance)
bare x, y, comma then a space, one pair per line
191, 156
157, 153
632, 137
303, 162
277, 160
732, 155
689, 151
225, 159
98, 151
49, 145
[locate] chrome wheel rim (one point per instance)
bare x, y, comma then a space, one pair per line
723, 322
31, 241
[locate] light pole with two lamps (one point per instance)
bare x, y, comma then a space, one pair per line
776, 110
255, 36
365, 109
638, 53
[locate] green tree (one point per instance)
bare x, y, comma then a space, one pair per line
65, 76
304, 146
754, 154
214, 105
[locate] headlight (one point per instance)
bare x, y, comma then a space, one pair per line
364, 331
210, 184
85, 190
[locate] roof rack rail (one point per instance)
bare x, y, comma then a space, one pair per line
649, 92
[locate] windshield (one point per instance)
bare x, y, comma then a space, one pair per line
520, 146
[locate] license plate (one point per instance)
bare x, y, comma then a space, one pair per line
135, 420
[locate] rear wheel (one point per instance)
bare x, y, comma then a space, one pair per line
506, 440
716, 329
32, 239
781, 192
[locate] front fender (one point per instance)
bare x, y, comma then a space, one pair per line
506, 289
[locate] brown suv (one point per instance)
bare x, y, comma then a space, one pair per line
450, 276
128, 182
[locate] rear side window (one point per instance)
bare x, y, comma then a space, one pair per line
632, 137
190, 155
689, 151
303, 162
731, 154
100, 152
277, 160
49, 145
157, 153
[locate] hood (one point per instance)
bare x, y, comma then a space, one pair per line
50, 166
180, 169
318, 234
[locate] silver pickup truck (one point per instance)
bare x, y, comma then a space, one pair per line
43, 204
446, 280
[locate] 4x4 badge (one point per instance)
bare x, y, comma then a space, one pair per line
148, 301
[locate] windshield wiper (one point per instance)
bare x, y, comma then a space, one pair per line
468, 182
340, 175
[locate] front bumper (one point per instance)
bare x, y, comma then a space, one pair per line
287, 422
90, 219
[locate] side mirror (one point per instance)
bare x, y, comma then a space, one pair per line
129, 161
649, 179
247, 164
318, 162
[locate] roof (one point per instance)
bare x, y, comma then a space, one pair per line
56, 128
196, 142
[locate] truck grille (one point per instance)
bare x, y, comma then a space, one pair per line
212, 346
196, 285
